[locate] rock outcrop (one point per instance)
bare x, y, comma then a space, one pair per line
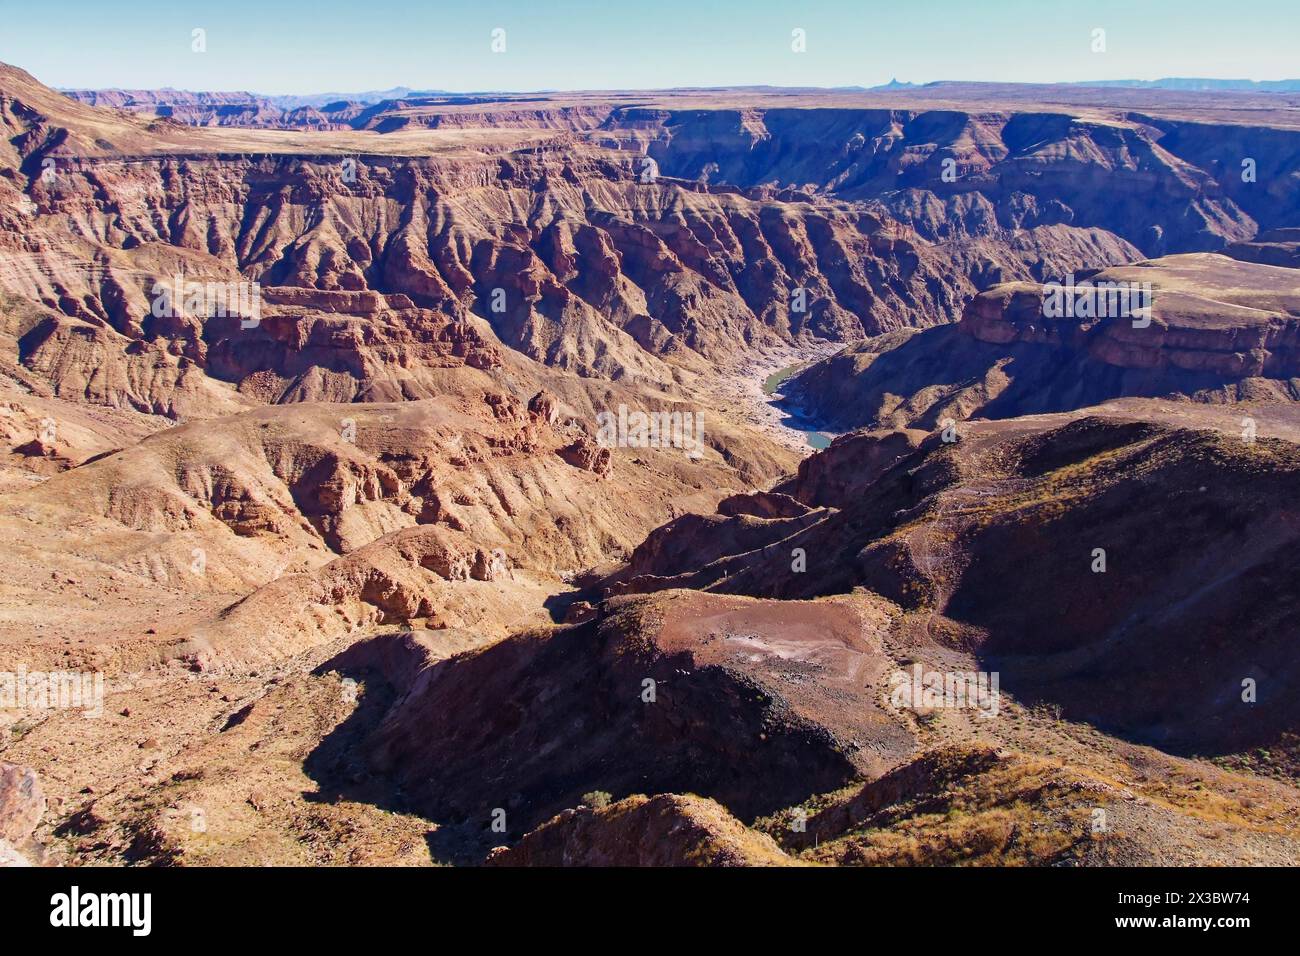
1271, 247
664, 830
1218, 330
22, 807
1071, 553
678, 693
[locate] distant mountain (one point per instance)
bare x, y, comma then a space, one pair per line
894, 84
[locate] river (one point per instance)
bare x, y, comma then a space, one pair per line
771, 385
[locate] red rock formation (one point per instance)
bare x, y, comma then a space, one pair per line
1219, 330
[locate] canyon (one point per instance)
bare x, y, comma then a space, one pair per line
370, 583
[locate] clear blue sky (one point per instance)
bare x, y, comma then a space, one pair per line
292, 46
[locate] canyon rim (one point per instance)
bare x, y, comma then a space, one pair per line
716, 455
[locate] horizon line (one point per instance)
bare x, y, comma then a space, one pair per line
892, 85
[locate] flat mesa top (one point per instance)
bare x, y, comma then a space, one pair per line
447, 124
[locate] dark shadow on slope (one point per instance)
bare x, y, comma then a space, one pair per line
529, 725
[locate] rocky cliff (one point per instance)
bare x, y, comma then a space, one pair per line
1216, 330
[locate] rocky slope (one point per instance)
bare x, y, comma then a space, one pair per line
565, 256
1015, 157
1162, 185
1271, 247
665, 830
1217, 330
573, 255
968, 536
685, 693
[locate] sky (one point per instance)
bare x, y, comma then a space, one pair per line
299, 47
